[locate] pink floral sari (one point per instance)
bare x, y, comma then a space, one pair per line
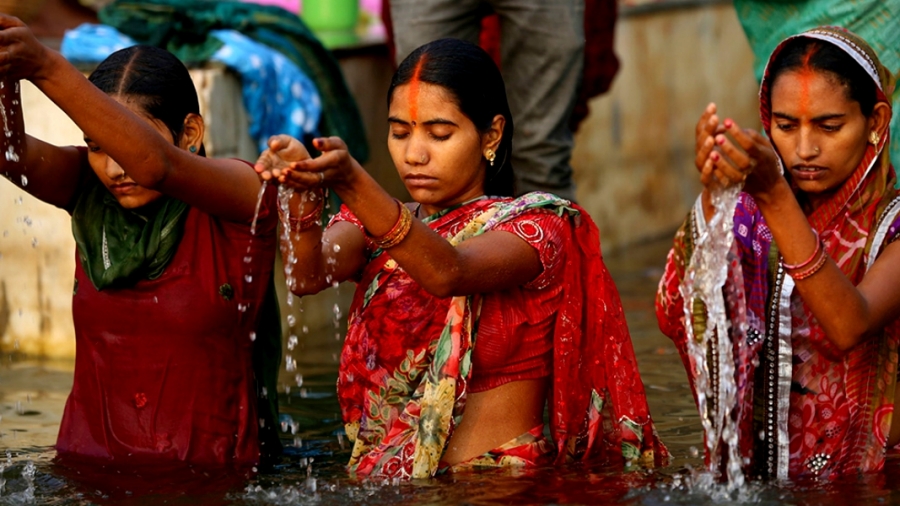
804, 409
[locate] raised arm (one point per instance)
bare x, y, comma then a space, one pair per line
490, 262
225, 188
48, 172
848, 314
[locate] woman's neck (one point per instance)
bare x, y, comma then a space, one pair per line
425, 210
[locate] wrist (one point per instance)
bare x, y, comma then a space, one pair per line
773, 194
49, 67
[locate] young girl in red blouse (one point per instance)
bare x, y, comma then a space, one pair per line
164, 313
473, 308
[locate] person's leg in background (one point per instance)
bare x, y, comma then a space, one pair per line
416, 22
542, 55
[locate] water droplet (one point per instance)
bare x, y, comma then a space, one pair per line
11, 155
24, 180
292, 342
248, 278
248, 259
292, 320
155, 300
299, 379
253, 336
336, 248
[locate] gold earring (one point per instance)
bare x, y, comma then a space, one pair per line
491, 156
875, 138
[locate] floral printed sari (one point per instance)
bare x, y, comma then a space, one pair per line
407, 360
804, 409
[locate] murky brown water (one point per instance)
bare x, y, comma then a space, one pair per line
32, 396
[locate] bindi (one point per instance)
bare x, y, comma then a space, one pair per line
414, 92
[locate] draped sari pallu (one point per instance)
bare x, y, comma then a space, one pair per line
804, 408
408, 358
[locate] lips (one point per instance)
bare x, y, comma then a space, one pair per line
419, 180
123, 188
808, 171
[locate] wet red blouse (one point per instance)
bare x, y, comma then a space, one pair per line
163, 369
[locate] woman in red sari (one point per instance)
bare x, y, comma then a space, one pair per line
162, 306
472, 308
815, 260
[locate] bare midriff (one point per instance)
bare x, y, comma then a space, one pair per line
495, 417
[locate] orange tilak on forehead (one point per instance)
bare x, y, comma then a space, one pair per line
806, 74
414, 92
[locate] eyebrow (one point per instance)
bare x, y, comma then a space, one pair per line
435, 121
817, 119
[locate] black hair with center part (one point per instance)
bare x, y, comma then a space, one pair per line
804, 53
472, 79
153, 78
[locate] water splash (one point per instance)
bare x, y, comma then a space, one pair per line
10, 153
717, 390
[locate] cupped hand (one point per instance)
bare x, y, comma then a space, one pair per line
330, 169
275, 161
747, 156
21, 55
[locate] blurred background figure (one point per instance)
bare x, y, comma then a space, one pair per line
541, 50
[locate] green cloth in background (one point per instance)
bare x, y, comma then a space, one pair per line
183, 27
768, 22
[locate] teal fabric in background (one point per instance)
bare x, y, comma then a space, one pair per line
768, 22
185, 28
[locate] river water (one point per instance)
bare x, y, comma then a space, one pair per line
32, 396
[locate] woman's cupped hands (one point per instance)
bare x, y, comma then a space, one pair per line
287, 162
22, 56
727, 154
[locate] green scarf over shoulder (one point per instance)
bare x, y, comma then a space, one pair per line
119, 247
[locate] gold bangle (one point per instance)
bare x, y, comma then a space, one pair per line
398, 232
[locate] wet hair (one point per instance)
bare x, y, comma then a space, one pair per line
155, 79
473, 81
804, 53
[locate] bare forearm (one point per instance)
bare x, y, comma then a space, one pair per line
133, 143
426, 256
837, 304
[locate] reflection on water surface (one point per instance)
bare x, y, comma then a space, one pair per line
32, 396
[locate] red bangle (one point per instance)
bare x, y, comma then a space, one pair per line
309, 219
803, 265
823, 258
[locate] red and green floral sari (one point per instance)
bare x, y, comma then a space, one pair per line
407, 360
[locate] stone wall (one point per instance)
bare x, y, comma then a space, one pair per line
634, 153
